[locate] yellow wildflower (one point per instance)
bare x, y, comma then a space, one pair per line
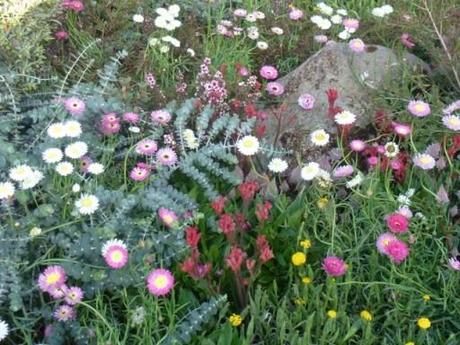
306, 280
410, 343
235, 320
332, 314
322, 202
424, 323
366, 315
305, 244
299, 259
426, 298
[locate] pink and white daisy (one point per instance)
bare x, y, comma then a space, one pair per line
57, 292
454, 106
64, 313
74, 106
73, 295
357, 145
147, 147
160, 282
397, 251
383, 240
424, 161
131, 117
115, 253
166, 156
454, 264
334, 266
161, 116
139, 173
306, 101
351, 24
452, 122
274, 88
52, 277
268, 72
357, 45
401, 129
419, 108
168, 217
295, 13
343, 171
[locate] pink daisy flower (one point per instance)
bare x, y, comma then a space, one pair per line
343, 171
295, 13
168, 217
424, 161
452, 122
147, 147
160, 282
357, 45
274, 88
401, 129
351, 24
454, 264
57, 292
383, 240
85, 162
161, 116
61, 35
64, 313
405, 211
373, 161
166, 156
419, 108
115, 253
357, 145
454, 106
334, 266
397, 251
139, 173
131, 117
397, 223
73, 295
74, 5
75, 106
306, 101
52, 277
268, 72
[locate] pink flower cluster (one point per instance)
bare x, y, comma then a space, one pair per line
110, 124
74, 5
389, 245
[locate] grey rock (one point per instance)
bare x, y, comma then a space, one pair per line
355, 76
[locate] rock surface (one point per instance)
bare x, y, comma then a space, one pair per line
354, 75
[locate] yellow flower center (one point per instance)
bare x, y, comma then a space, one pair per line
53, 278
419, 107
86, 202
117, 256
425, 160
160, 282
248, 144
168, 219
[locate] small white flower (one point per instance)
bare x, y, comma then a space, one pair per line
391, 149
164, 49
316, 19
310, 171
324, 178
355, 181
56, 130
276, 30
248, 145
6, 190
4, 330
87, 204
342, 12
319, 137
325, 9
387, 9
410, 192
378, 12
32, 180
190, 52
277, 165
404, 199
173, 41
76, 188
190, 140
259, 15
325, 24
52, 155
20, 172
96, 168
344, 35
64, 168
262, 45
253, 33
76, 150
251, 17
138, 18
345, 118
336, 19
35, 231
134, 129
72, 129
153, 41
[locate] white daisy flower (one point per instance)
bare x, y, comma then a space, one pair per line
378, 12
72, 129
310, 171
325, 9
325, 24
277, 165
262, 45
259, 14
355, 181
76, 188
52, 155
6, 191
452, 122
345, 118
342, 12
319, 137
251, 18
391, 149
344, 35
56, 130
64, 168
134, 129
253, 33
32, 180
387, 9
138, 18
173, 41
96, 168
277, 31
76, 150
4, 330
164, 49
20, 172
336, 19
248, 145
190, 52
87, 204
